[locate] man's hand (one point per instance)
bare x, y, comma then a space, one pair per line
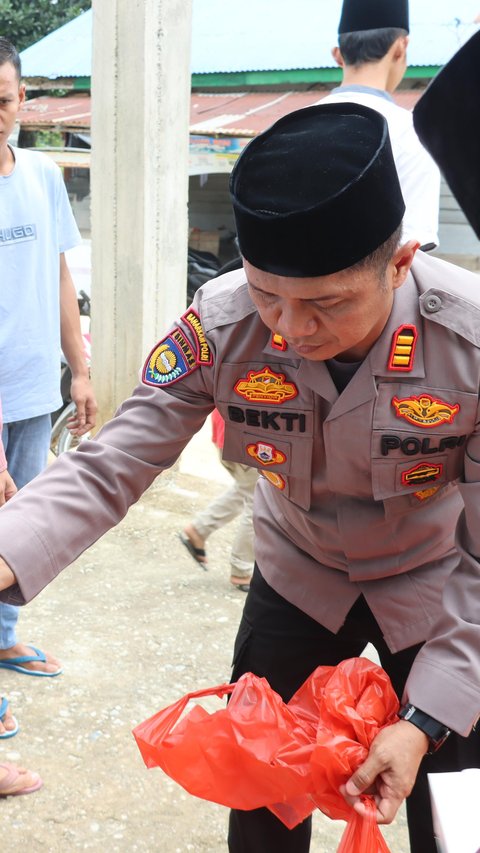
389, 771
7, 578
7, 487
82, 395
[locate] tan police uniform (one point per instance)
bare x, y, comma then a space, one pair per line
360, 492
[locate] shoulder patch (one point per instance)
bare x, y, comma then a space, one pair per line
204, 353
170, 360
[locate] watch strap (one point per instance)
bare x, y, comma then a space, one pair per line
436, 732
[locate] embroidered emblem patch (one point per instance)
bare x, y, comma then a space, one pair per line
278, 342
265, 386
425, 411
275, 479
171, 359
265, 453
204, 353
403, 349
426, 493
422, 473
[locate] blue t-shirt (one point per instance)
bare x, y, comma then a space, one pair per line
36, 226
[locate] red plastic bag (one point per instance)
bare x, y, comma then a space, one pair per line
259, 751
362, 835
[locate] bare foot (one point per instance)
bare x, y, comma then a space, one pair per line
50, 665
16, 780
196, 540
8, 722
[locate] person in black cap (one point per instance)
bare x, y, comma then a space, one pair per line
372, 52
347, 370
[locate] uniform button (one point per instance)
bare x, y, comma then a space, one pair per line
433, 304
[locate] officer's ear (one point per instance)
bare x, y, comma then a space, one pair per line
337, 55
402, 261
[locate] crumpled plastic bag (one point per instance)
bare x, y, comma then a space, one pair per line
362, 835
259, 751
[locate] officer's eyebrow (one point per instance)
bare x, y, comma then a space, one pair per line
326, 297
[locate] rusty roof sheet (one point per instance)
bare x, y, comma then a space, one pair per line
47, 110
241, 114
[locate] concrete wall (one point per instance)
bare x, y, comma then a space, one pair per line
458, 242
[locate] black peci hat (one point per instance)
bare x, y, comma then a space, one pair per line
316, 192
447, 121
360, 15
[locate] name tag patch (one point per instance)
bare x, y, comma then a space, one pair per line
412, 446
289, 421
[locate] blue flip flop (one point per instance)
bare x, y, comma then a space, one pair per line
3, 712
16, 664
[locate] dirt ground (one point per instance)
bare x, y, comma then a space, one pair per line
136, 624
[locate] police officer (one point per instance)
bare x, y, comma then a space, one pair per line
347, 371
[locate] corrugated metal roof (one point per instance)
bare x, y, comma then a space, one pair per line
67, 52
243, 114
264, 35
71, 111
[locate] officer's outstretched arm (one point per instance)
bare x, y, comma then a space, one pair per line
389, 771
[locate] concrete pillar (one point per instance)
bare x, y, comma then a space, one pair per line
139, 175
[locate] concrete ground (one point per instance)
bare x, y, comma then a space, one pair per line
136, 624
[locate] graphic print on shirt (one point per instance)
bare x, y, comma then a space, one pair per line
265, 386
425, 411
17, 234
170, 360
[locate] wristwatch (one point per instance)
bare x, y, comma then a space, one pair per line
436, 732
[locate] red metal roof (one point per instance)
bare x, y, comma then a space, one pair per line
227, 114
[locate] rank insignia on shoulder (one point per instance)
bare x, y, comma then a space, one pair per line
277, 342
425, 411
426, 493
265, 386
171, 359
403, 349
266, 454
204, 353
275, 479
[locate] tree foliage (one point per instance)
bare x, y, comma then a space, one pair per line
24, 22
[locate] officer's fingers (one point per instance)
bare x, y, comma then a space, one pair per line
365, 776
386, 807
91, 413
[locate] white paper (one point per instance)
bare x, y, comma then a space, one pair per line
456, 810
